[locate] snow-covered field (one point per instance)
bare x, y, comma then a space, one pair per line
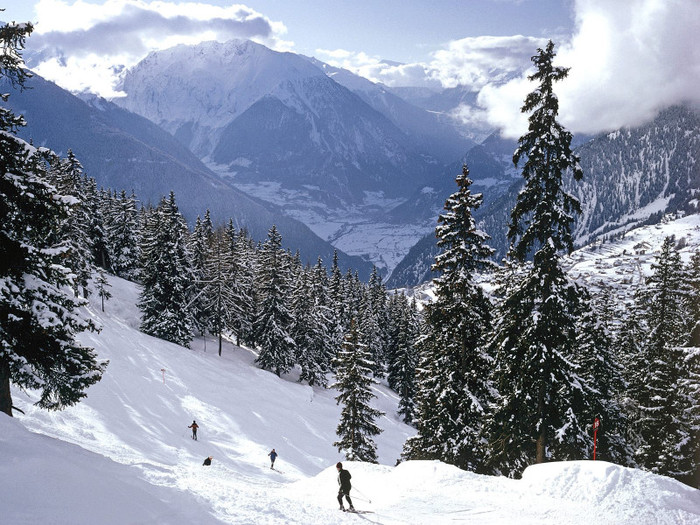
124, 455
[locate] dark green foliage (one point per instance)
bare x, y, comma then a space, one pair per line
403, 353
39, 317
453, 390
662, 386
357, 418
166, 276
601, 366
542, 395
274, 318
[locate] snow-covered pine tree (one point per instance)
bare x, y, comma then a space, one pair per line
274, 318
102, 285
124, 236
600, 364
662, 403
199, 246
357, 426
691, 384
452, 404
541, 394
314, 326
221, 293
693, 299
403, 353
68, 178
39, 315
330, 334
166, 275
304, 329
375, 321
243, 269
97, 228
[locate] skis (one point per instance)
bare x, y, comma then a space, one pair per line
355, 511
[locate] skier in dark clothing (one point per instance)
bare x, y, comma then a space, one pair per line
194, 426
207, 461
345, 486
273, 457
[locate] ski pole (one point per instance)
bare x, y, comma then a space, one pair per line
365, 495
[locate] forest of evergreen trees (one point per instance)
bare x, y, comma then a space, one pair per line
493, 382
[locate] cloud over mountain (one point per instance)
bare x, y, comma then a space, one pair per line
81, 46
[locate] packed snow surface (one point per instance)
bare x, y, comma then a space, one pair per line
125, 455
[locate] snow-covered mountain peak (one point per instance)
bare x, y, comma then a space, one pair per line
210, 83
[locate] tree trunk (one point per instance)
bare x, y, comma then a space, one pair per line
540, 445
541, 442
5, 396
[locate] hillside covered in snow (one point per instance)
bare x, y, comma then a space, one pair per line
124, 455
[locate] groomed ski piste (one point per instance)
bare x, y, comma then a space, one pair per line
125, 455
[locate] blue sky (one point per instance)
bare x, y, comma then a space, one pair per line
628, 58
399, 30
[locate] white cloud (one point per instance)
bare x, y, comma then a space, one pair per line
473, 62
77, 44
628, 59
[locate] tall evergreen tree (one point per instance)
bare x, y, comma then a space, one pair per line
357, 418
274, 318
661, 399
123, 234
403, 353
219, 289
541, 393
199, 245
67, 176
243, 269
693, 299
97, 228
602, 368
166, 276
39, 319
452, 404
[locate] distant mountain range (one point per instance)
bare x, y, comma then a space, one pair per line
335, 160
332, 149
632, 177
121, 150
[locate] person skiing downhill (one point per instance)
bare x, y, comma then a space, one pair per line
194, 426
345, 486
273, 456
207, 461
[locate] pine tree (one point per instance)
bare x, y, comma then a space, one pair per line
97, 228
123, 234
693, 299
39, 320
274, 318
102, 285
166, 276
403, 353
199, 245
313, 325
603, 370
662, 403
542, 395
244, 266
357, 418
67, 176
375, 321
220, 290
454, 388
